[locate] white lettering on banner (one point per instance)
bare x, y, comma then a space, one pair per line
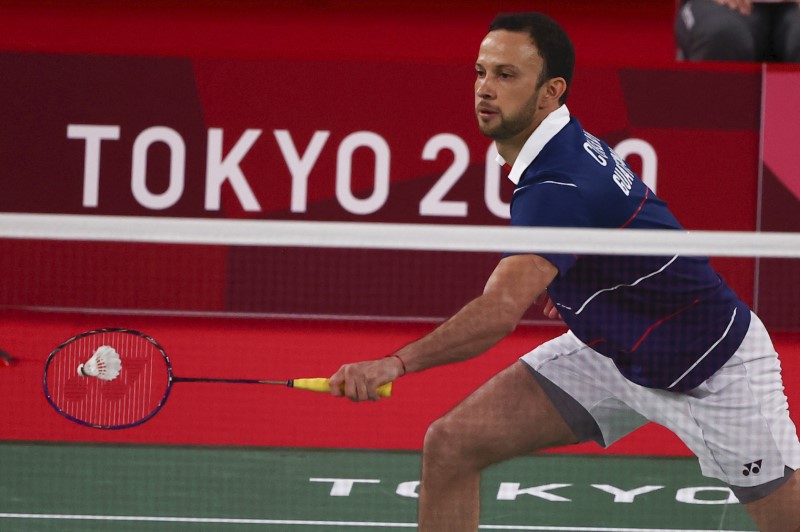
433, 203
645, 150
220, 169
510, 490
625, 496
93, 135
344, 172
341, 487
177, 166
300, 166
225, 168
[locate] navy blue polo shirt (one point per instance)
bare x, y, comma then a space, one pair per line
667, 322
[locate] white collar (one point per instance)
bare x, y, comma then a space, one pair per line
549, 128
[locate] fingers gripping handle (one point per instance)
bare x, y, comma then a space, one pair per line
322, 385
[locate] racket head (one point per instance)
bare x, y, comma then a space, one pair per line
133, 397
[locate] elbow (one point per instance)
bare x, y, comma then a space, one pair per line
503, 311
509, 325
506, 319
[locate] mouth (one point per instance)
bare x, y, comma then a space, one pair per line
485, 112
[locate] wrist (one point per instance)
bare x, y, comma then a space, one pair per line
402, 364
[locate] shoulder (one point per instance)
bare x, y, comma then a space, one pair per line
574, 158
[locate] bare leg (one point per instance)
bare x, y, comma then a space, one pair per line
508, 416
779, 511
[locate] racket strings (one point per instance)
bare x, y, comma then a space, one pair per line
130, 398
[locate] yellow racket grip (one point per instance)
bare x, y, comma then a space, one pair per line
323, 385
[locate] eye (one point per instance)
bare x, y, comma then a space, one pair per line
506, 75
480, 73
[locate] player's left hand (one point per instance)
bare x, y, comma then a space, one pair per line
550, 309
745, 7
360, 381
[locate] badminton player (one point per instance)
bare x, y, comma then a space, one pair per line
660, 339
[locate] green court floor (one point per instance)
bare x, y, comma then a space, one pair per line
82, 488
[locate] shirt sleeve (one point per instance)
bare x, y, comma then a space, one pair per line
550, 203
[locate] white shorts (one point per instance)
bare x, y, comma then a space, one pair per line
737, 422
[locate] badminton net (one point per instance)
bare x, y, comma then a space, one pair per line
334, 270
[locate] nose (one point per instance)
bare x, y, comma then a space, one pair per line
484, 89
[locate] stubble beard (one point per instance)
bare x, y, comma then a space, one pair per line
511, 126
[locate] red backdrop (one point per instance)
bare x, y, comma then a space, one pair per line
399, 69
221, 414
222, 138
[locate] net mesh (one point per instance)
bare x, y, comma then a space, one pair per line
335, 270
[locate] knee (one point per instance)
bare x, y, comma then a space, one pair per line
447, 446
441, 440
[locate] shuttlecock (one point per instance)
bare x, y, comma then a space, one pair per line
104, 364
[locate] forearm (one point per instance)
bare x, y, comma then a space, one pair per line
474, 329
481, 323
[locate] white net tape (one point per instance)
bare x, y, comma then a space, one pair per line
398, 236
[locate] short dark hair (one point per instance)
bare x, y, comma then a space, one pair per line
550, 39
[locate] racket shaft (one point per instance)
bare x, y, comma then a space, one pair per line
323, 385
314, 385
229, 381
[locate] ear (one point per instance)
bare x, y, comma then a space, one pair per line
554, 90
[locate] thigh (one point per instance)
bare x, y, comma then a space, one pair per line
510, 415
592, 382
779, 510
786, 37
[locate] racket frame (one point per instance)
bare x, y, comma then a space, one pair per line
158, 407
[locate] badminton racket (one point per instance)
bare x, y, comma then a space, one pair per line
120, 378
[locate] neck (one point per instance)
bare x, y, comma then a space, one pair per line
510, 148
509, 151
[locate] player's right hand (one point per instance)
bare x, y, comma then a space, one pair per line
360, 381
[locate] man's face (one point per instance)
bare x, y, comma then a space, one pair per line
507, 85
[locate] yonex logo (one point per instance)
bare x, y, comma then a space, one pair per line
752, 467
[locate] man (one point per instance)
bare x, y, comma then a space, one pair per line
739, 30
651, 338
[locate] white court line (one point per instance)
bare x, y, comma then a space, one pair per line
362, 524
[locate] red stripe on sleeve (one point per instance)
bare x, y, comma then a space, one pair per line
638, 210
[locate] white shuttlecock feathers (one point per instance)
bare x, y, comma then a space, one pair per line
104, 364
